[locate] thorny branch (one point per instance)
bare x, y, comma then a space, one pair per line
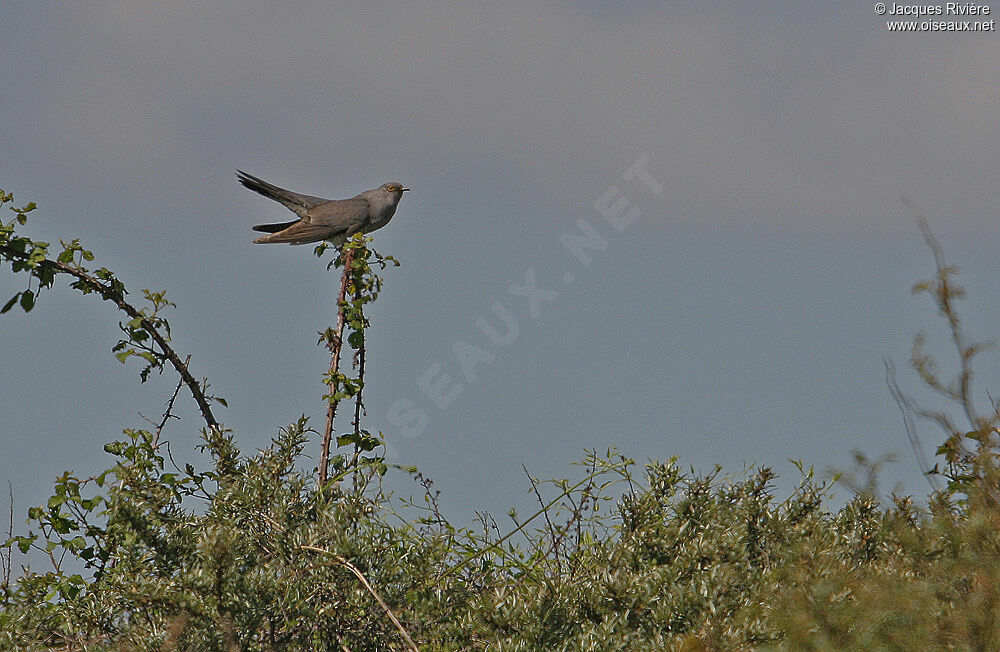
168, 412
335, 343
358, 407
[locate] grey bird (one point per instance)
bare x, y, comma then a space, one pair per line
334, 220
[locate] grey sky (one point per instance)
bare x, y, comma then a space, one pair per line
741, 319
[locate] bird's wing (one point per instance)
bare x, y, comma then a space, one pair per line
295, 202
344, 216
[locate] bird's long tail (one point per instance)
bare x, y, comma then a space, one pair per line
263, 187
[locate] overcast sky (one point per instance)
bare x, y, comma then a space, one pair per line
743, 172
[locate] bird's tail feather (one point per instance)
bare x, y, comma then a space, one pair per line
294, 201
259, 185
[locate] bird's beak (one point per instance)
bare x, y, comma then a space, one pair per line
404, 190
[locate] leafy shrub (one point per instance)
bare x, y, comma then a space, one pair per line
252, 552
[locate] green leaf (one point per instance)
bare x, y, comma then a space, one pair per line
10, 304
90, 503
345, 440
27, 300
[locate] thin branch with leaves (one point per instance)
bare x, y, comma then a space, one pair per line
147, 332
962, 464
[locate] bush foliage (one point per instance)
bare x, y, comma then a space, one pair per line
252, 552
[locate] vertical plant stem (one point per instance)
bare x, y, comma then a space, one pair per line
334, 344
358, 407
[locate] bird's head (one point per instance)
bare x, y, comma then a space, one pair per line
393, 189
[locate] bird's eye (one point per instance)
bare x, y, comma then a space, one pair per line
391, 188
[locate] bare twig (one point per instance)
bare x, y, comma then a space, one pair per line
170, 406
499, 542
487, 520
5, 556
552, 530
906, 408
351, 567
334, 343
587, 495
432, 496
